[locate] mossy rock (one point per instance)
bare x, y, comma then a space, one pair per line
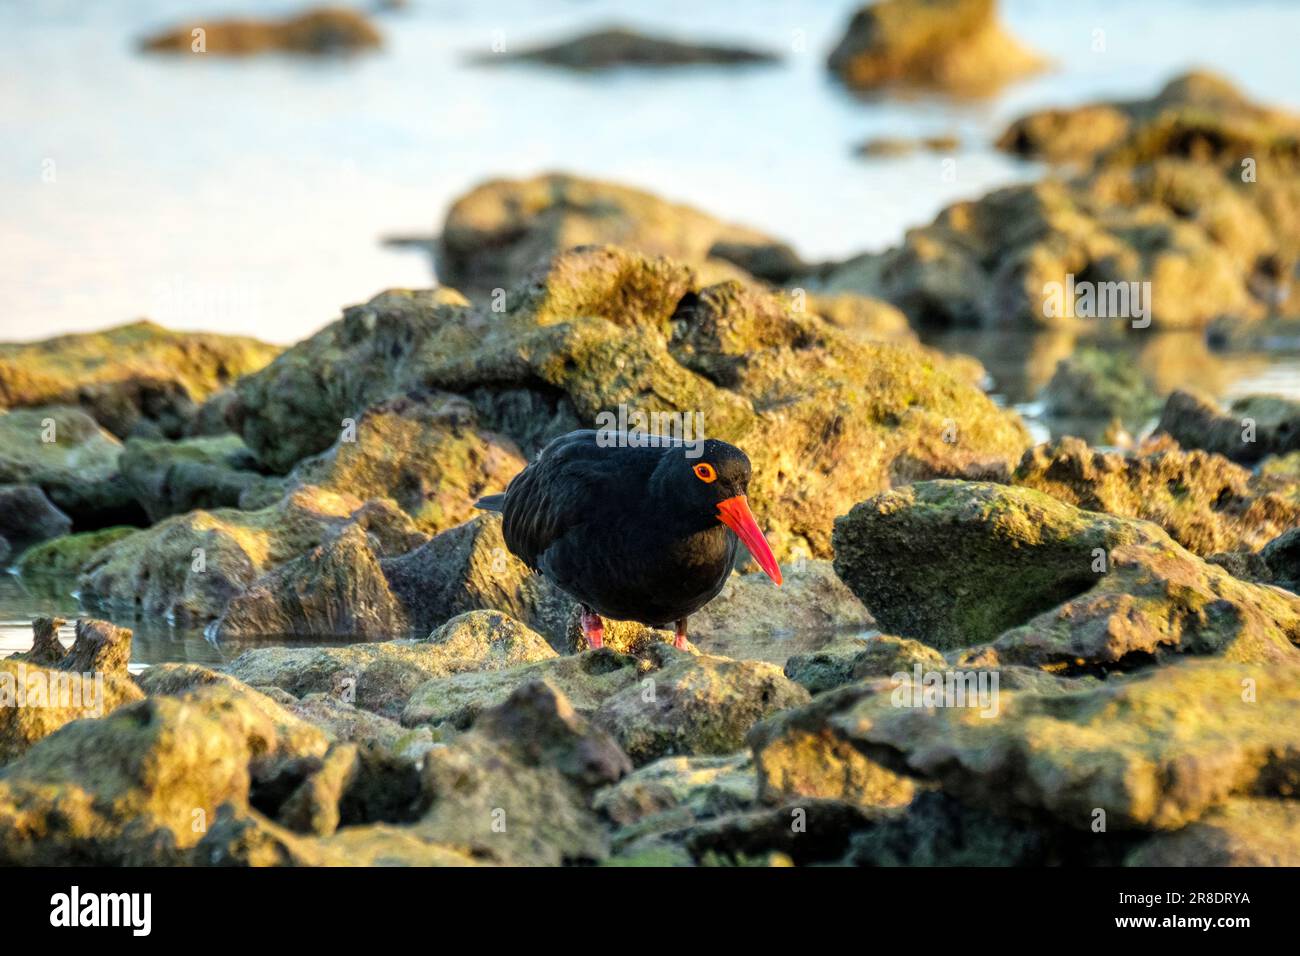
68, 555
136, 377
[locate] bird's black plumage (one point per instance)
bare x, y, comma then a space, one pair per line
631, 532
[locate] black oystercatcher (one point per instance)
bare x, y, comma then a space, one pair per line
633, 533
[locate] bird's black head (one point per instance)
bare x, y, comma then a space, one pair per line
709, 483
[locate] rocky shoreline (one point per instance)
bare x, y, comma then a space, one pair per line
1077, 651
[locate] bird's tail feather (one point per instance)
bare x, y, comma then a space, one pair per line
491, 502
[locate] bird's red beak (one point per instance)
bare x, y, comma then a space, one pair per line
735, 514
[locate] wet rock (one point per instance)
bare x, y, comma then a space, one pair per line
4, 550
189, 566
1093, 383
66, 556
497, 234
936, 830
380, 677
616, 47
252, 840
27, 517
335, 589
886, 655
1240, 832
827, 667
956, 46
45, 688
287, 412
1198, 115
423, 451
517, 789
1154, 751
694, 705
1164, 199
806, 833
141, 785
1250, 429
349, 786
468, 568
340, 721
349, 724
137, 378
1067, 591
848, 659
72, 460
1061, 256
170, 478
544, 365
677, 791
1282, 557
321, 31
929, 559
1089, 592
798, 755
1205, 502
749, 613
586, 680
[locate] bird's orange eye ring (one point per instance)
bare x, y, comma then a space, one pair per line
705, 472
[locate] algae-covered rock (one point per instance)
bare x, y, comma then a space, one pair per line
499, 232
956, 46
27, 517
1198, 115
380, 677
827, 667
616, 47
1155, 751
141, 785
297, 405
586, 680
695, 705
798, 755
1250, 429
63, 451
424, 452
853, 658
189, 566
936, 830
680, 790
1168, 227
469, 568
172, 477
1205, 502
130, 378
68, 555
834, 415
1240, 832
45, 688
517, 789
811, 598
321, 31
956, 564
335, 589
1094, 383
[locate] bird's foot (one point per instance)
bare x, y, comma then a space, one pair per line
680, 641
593, 628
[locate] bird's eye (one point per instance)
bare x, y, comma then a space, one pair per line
705, 472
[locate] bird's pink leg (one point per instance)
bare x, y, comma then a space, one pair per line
593, 628
680, 643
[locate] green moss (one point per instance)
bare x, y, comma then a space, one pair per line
69, 554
